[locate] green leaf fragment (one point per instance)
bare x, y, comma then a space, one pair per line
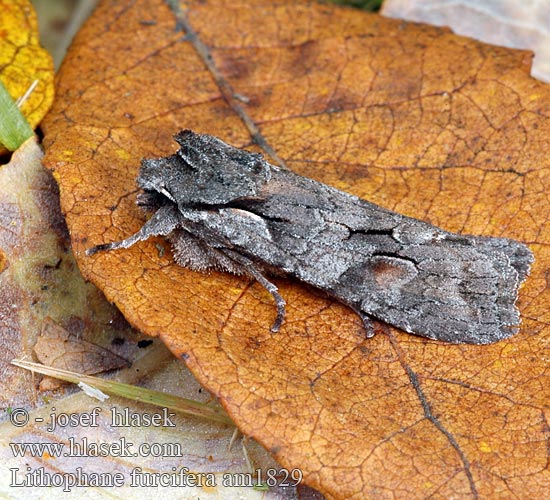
14, 128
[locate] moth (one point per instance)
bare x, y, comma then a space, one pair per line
227, 209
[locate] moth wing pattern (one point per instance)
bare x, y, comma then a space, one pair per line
227, 209
403, 271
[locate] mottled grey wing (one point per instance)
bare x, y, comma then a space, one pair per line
400, 270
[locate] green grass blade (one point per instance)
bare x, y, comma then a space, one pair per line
14, 128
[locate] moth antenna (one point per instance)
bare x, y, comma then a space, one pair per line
163, 222
98, 248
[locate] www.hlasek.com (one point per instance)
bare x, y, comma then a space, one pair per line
85, 447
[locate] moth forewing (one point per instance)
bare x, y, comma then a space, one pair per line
227, 209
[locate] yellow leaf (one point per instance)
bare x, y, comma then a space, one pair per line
23, 60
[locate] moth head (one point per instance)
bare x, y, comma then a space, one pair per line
204, 171
157, 174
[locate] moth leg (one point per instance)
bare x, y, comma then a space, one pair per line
367, 324
250, 269
274, 291
163, 222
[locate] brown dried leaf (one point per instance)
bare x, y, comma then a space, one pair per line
413, 118
39, 278
56, 347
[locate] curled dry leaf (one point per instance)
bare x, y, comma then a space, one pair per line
411, 117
